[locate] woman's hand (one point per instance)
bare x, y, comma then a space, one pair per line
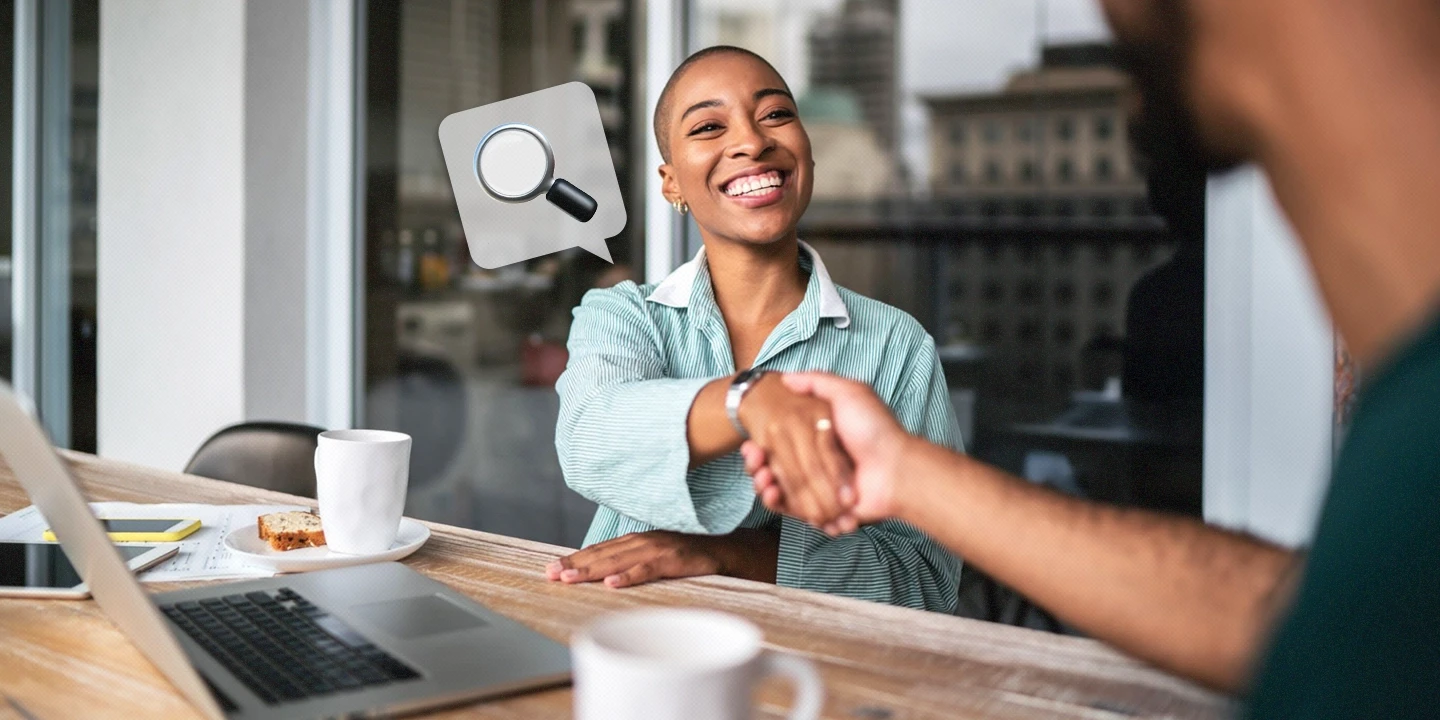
870, 437
659, 554
796, 432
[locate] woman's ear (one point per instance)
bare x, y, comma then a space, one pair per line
669, 185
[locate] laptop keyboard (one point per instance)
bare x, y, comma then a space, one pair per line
283, 647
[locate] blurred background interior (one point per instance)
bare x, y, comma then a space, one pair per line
973, 167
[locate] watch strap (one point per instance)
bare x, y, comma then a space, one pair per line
736, 392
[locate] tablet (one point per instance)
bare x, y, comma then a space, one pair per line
41, 570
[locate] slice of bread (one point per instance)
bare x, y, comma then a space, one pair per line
290, 530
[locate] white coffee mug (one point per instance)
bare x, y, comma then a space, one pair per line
360, 481
670, 664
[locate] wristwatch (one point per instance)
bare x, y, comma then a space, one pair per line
738, 387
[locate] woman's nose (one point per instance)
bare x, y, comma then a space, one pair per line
750, 140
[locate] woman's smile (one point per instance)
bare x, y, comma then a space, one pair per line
757, 187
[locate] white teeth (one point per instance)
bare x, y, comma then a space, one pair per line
753, 185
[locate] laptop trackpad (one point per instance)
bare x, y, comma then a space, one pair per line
416, 617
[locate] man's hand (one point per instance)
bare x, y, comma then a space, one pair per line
866, 431
804, 458
659, 554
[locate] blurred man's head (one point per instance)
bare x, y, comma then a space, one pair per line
1181, 122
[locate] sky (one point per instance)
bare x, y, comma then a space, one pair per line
975, 44
945, 45
968, 45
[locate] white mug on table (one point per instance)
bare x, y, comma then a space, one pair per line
360, 481
670, 664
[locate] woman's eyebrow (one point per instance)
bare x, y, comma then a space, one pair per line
767, 92
758, 96
701, 106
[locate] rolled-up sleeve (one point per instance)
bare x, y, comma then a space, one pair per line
889, 562
622, 432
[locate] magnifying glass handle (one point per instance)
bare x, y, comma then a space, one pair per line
572, 200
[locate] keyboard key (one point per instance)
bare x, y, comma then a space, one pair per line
284, 654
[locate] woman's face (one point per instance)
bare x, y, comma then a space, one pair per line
738, 153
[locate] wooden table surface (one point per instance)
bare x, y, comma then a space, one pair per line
63, 659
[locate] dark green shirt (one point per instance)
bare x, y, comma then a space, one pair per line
1363, 638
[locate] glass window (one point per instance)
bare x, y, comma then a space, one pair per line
1065, 128
64, 194
7, 91
1104, 169
1065, 170
1028, 174
1043, 349
1029, 292
1025, 130
1104, 127
957, 173
992, 172
994, 132
1103, 294
1064, 333
957, 133
465, 359
84, 135
1064, 293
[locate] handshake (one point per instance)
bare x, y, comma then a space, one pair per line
822, 449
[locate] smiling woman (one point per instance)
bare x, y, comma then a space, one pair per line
653, 409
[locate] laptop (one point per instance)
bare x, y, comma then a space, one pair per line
377, 639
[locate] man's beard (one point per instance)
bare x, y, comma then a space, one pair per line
1167, 130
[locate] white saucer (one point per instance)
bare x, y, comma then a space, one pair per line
246, 543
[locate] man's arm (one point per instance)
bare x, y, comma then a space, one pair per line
1190, 598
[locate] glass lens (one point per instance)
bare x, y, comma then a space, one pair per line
513, 163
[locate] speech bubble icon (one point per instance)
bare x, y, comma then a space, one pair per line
532, 175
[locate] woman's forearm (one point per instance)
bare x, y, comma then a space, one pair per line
1188, 597
749, 553
708, 427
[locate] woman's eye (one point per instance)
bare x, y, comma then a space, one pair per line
779, 114
707, 127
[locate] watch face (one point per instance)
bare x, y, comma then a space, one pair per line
748, 375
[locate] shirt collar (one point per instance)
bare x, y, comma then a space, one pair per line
676, 289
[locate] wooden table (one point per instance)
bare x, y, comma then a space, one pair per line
63, 659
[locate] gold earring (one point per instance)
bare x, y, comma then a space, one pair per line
681, 206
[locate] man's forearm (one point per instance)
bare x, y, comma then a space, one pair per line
1193, 599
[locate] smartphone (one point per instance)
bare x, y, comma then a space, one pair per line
42, 570
143, 529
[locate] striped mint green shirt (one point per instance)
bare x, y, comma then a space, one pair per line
638, 356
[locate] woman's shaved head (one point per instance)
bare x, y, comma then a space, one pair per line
665, 107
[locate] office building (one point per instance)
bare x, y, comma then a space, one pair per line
1052, 143
856, 49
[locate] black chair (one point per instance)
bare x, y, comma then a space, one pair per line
271, 455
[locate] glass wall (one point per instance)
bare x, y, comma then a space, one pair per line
7, 136
67, 37
465, 359
84, 132
974, 167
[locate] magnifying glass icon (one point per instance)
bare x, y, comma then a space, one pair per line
513, 162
